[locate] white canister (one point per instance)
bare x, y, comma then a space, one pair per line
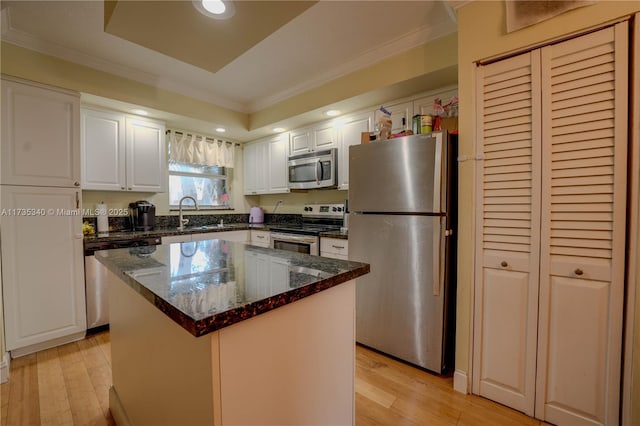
102, 217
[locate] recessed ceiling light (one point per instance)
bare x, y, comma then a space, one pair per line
332, 112
139, 112
216, 9
221, 129
278, 129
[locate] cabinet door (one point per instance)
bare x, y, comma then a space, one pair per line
42, 266
40, 136
401, 116
146, 155
255, 161
350, 134
324, 137
582, 270
277, 172
301, 142
507, 243
102, 136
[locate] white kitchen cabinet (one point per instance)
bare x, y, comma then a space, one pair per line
122, 152
42, 267
259, 238
103, 150
241, 236
40, 135
336, 248
349, 133
313, 138
237, 236
551, 229
401, 115
146, 155
265, 165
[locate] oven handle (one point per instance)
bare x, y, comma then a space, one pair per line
290, 237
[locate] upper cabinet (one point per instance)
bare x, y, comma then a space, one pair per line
40, 139
401, 115
122, 153
349, 133
318, 137
265, 165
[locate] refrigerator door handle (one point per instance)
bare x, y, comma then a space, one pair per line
437, 173
438, 254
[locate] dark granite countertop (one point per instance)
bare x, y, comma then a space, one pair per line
343, 235
207, 285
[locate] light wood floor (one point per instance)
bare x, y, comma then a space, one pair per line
69, 385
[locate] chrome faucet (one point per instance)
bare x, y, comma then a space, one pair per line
182, 222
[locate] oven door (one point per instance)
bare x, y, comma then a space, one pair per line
313, 170
307, 244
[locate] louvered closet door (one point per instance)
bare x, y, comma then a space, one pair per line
584, 86
508, 225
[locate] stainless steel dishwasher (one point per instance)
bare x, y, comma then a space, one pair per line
97, 277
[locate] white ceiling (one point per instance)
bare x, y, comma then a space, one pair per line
328, 40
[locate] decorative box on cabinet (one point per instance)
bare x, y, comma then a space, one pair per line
122, 152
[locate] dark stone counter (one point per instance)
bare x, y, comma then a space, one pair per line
207, 285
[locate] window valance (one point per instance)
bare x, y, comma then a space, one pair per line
191, 148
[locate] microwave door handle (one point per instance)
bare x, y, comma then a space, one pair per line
318, 171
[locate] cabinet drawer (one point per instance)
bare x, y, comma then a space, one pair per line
260, 238
334, 245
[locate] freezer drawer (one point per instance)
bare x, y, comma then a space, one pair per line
400, 304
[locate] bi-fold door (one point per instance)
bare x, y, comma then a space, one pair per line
551, 229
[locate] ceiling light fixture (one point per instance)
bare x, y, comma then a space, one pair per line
139, 112
216, 9
220, 129
332, 112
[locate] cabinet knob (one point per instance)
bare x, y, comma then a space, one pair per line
504, 264
578, 271
122, 187
76, 183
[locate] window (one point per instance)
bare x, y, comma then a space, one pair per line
209, 185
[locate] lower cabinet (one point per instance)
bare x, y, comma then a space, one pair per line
238, 236
336, 248
259, 238
42, 267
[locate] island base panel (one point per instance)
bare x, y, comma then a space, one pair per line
161, 374
294, 365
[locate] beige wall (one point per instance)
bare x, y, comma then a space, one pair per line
482, 35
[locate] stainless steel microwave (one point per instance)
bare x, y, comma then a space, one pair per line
313, 170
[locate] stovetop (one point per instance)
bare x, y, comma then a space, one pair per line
316, 218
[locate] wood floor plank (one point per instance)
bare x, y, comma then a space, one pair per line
99, 372
85, 407
23, 402
69, 385
4, 402
54, 400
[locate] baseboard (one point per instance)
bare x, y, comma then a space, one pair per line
4, 367
460, 381
15, 353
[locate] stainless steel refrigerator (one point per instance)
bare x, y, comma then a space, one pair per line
402, 202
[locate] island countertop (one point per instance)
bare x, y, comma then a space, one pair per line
207, 285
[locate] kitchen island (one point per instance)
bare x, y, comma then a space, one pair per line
221, 333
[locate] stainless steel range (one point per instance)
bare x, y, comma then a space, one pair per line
305, 237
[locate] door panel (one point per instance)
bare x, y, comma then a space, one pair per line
397, 309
